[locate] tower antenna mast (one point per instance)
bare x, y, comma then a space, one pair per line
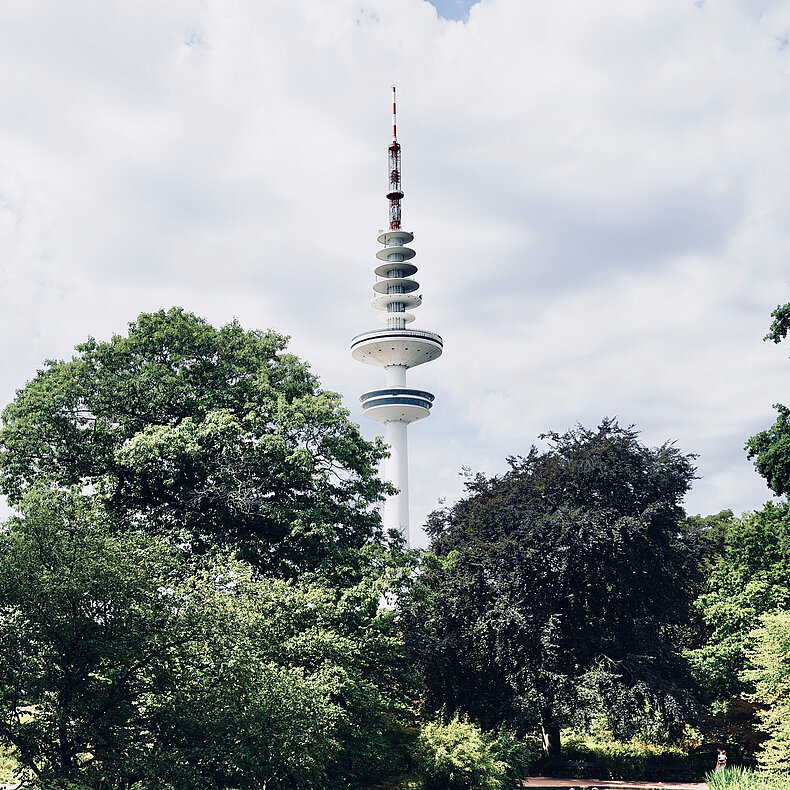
395, 191
395, 348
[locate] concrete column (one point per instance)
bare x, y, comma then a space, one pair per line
396, 375
396, 508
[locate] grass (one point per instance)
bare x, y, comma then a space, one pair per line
737, 778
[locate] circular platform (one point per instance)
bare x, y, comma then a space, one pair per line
405, 347
406, 252
406, 269
407, 300
397, 404
404, 236
409, 286
407, 317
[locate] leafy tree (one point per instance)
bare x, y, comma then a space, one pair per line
559, 590
213, 437
780, 325
770, 449
769, 672
127, 664
713, 531
750, 579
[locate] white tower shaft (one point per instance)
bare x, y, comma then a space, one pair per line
396, 470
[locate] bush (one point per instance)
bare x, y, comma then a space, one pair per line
518, 756
457, 756
8, 766
618, 760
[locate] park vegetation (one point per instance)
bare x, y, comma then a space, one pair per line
196, 591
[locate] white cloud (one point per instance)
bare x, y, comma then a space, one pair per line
598, 194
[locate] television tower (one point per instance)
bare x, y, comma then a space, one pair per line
395, 348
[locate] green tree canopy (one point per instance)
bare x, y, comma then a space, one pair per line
209, 436
126, 663
768, 670
750, 579
559, 591
770, 449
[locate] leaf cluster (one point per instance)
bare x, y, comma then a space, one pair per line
211, 437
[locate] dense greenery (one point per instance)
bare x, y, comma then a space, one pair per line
191, 593
207, 436
195, 591
751, 577
559, 592
140, 668
457, 756
599, 756
769, 671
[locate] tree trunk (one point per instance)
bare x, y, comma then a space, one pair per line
551, 740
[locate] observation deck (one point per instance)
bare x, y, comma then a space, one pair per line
397, 404
406, 348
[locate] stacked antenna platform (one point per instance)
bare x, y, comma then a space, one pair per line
396, 348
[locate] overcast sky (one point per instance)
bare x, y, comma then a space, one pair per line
599, 194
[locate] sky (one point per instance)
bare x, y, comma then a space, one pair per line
599, 193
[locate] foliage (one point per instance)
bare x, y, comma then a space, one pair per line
141, 666
559, 592
713, 529
733, 723
209, 436
780, 325
769, 670
738, 778
752, 578
633, 760
771, 448
457, 756
9, 767
520, 756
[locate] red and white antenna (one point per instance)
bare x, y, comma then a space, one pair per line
394, 190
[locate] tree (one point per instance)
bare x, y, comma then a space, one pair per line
127, 663
559, 590
770, 449
769, 671
210, 437
749, 580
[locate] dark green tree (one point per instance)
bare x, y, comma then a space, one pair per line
212, 437
560, 591
127, 664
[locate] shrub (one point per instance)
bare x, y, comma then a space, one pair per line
457, 756
8, 766
519, 756
617, 760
